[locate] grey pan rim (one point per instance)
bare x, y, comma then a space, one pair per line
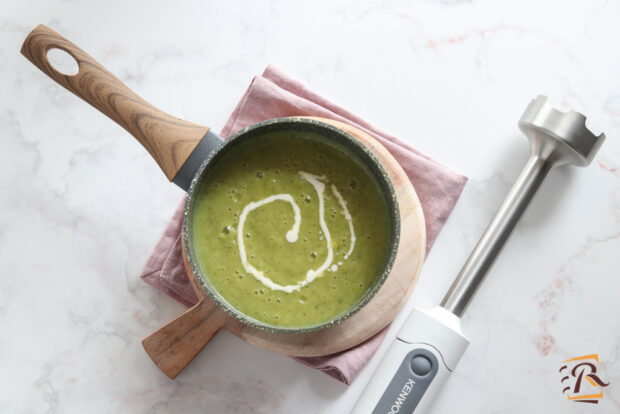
328, 133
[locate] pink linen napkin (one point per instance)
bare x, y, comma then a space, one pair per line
274, 95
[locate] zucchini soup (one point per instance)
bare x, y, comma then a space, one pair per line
290, 229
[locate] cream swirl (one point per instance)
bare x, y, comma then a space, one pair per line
293, 234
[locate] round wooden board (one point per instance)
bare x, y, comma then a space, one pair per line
382, 309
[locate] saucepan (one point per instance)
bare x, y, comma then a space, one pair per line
185, 152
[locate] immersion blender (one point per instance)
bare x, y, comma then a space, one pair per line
431, 342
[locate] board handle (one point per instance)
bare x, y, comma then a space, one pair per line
177, 343
168, 139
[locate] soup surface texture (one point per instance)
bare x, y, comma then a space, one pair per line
290, 230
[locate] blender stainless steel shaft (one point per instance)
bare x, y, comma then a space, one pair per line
556, 138
431, 342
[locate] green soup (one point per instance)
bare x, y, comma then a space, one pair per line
290, 230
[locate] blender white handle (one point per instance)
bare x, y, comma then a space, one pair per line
397, 388
416, 366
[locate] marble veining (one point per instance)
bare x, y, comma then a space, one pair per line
82, 204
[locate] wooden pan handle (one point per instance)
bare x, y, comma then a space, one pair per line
168, 139
176, 344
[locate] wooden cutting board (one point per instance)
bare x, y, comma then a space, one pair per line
172, 353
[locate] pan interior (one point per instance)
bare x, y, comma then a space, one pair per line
292, 226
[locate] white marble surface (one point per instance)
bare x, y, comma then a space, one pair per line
82, 204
